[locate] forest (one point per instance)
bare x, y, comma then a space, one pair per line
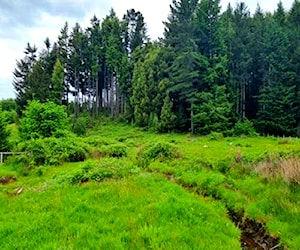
211, 71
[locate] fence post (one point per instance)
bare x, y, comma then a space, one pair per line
1, 157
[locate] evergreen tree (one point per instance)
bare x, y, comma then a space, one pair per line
4, 134
179, 29
21, 73
240, 57
213, 111
135, 30
187, 74
144, 87
57, 81
293, 21
278, 97
167, 117
115, 54
63, 56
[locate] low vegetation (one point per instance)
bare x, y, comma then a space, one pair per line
121, 187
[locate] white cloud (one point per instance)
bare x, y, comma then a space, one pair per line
154, 12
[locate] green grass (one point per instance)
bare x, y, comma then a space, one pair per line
138, 212
121, 198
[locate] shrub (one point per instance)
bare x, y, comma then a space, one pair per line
42, 120
215, 136
100, 171
79, 126
244, 128
53, 151
113, 150
159, 151
9, 117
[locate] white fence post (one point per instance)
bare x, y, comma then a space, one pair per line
8, 153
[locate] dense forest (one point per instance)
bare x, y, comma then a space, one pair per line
211, 71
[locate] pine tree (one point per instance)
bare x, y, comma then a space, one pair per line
179, 29
278, 96
240, 56
167, 117
57, 81
135, 30
212, 111
187, 74
21, 73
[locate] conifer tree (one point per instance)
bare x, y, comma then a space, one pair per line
57, 81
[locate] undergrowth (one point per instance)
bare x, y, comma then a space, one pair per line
133, 189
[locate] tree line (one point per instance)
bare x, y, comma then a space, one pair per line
211, 71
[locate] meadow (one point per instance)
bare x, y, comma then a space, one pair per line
141, 190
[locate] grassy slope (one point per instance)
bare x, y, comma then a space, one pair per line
139, 208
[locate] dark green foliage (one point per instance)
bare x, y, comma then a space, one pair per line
113, 150
53, 151
4, 134
157, 151
9, 116
57, 81
80, 125
8, 105
212, 112
245, 128
42, 120
101, 171
167, 117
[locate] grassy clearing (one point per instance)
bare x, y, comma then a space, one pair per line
139, 212
122, 198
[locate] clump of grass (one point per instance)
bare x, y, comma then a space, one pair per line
291, 169
276, 167
284, 141
100, 171
215, 136
114, 150
160, 151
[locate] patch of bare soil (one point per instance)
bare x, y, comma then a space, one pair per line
5, 180
254, 235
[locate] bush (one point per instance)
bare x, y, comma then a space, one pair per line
100, 171
245, 128
42, 120
114, 150
215, 136
80, 126
82, 123
53, 151
159, 151
9, 117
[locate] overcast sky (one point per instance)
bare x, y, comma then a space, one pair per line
23, 21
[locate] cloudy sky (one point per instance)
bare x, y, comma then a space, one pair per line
23, 21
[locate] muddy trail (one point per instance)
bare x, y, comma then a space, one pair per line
253, 233
5, 180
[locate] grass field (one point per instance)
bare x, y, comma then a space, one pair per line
141, 190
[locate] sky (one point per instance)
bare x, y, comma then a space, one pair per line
23, 21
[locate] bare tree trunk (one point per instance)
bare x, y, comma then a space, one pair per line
243, 100
97, 97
